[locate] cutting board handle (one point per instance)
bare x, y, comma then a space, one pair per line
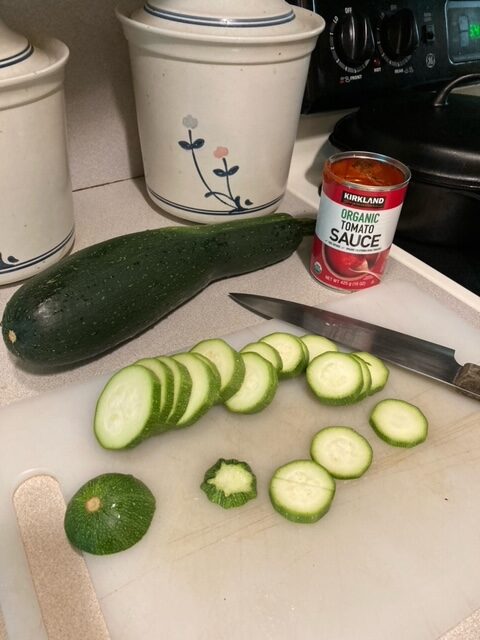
468, 380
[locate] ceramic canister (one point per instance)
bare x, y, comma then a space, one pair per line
36, 207
218, 88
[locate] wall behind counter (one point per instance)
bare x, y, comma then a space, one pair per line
101, 119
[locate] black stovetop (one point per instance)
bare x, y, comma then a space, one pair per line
459, 264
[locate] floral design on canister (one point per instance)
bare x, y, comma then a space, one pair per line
224, 194
361, 200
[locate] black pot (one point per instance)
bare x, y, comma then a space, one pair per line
438, 137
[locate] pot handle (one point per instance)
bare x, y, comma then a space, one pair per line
441, 99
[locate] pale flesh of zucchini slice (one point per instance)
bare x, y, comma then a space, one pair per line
378, 371
266, 351
228, 362
128, 409
316, 345
229, 483
165, 376
335, 378
367, 378
204, 389
343, 452
291, 350
258, 387
399, 423
182, 385
302, 491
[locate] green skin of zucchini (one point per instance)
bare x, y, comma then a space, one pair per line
109, 514
103, 295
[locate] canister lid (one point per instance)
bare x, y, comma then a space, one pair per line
18, 56
228, 17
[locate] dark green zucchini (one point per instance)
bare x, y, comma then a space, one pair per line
109, 514
105, 294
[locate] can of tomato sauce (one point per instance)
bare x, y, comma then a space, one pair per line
361, 199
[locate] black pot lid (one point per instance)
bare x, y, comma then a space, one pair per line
440, 144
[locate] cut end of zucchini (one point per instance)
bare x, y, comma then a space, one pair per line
12, 336
302, 491
109, 514
399, 423
229, 483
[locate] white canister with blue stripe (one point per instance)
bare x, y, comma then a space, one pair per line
218, 88
36, 206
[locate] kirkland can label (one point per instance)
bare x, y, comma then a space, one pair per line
354, 231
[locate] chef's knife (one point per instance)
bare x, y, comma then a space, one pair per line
415, 354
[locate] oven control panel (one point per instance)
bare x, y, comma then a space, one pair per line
371, 48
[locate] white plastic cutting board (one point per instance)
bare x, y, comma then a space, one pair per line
396, 557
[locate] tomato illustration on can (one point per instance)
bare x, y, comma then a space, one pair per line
361, 200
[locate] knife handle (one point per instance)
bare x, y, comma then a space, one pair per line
467, 380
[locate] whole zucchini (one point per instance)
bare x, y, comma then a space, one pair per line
107, 293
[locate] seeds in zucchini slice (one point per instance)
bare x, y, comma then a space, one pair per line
204, 391
343, 452
165, 375
227, 361
266, 351
109, 513
182, 385
399, 423
291, 350
316, 345
378, 371
229, 483
128, 409
258, 387
302, 491
335, 378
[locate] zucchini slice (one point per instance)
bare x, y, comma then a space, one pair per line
266, 351
399, 423
258, 387
229, 483
302, 491
335, 378
165, 375
228, 362
316, 345
204, 391
378, 371
109, 513
342, 451
182, 385
128, 409
291, 350
367, 378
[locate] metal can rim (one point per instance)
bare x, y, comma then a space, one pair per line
371, 156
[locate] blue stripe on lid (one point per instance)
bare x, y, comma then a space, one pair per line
18, 57
206, 21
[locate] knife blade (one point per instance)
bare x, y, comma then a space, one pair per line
415, 354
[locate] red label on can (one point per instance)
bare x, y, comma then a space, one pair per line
354, 231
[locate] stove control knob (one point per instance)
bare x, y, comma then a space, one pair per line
352, 41
398, 37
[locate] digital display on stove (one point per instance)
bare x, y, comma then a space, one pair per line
463, 30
